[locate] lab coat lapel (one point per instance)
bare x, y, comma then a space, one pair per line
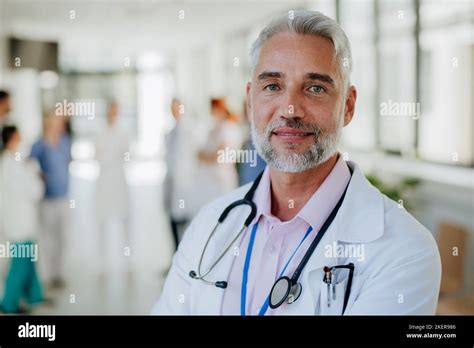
359, 220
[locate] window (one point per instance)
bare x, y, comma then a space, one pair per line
413, 69
446, 41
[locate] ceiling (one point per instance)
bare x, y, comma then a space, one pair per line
94, 34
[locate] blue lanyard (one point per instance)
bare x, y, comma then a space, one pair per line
243, 297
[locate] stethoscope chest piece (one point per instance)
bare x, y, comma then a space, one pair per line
295, 293
283, 291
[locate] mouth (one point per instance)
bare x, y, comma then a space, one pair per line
291, 134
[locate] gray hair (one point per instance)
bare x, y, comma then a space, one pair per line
309, 23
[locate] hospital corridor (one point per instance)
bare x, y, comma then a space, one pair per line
111, 279
128, 126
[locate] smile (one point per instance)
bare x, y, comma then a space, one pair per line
291, 133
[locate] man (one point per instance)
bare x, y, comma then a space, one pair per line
53, 153
299, 99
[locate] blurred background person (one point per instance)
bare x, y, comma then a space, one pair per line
181, 162
112, 202
21, 189
249, 171
4, 111
53, 152
5, 107
217, 174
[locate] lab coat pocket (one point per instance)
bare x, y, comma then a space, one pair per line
336, 294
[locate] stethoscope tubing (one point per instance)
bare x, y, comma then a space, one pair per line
247, 200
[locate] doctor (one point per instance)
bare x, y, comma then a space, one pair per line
299, 99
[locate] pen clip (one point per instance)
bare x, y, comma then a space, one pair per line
328, 280
333, 284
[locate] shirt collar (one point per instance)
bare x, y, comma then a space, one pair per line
318, 207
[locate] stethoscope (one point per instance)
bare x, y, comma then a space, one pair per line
247, 200
285, 289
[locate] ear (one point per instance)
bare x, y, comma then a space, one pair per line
248, 104
350, 105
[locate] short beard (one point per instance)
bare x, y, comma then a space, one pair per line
324, 146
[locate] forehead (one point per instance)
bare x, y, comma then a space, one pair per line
295, 54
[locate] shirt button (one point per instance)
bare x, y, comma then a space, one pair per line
272, 249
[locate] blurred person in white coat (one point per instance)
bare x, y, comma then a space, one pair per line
112, 201
21, 190
217, 172
180, 161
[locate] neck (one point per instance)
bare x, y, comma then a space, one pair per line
10, 150
51, 139
291, 191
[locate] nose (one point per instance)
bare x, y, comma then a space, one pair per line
292, 105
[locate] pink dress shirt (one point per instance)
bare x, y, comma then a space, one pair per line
276, 240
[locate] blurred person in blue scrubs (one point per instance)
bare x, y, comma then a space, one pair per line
21, 190
248, 171
53, 152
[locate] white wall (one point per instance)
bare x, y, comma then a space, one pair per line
26, 114
436, 202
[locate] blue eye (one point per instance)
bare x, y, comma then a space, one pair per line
317, 89
272, 87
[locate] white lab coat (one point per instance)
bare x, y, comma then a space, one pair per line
400, 273
220, 177
181, 160
112, 195
21, 190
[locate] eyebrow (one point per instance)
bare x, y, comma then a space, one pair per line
320, 77
270, 74
312, 76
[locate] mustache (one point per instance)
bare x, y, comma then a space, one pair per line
295, 123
